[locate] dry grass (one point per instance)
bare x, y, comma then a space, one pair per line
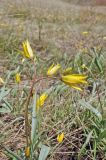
54, 28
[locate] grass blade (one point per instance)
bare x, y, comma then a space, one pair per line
91, 108
12, 153
84, 145
44, 152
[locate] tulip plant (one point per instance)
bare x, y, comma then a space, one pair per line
55, 72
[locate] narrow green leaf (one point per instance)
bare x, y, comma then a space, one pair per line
98, 64
103, 122
12, 153
103, 134
5, 110
44, 152
4, 92
84, 145
91, 108
8, 104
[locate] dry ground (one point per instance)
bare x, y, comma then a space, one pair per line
58, 24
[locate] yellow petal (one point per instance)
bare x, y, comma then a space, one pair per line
17, 77
1, 81
60, 137
85, 33
74, 79
75, 87
80, 76
27, 151
53, 69
25, 53
40, 102
49, 69
27, 50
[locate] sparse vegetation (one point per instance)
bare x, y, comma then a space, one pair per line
52, 86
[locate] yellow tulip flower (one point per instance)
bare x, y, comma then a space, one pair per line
17, 77
85, 33
60, 137
40, 102
27, 151
53, 69
73, 80
28, 53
